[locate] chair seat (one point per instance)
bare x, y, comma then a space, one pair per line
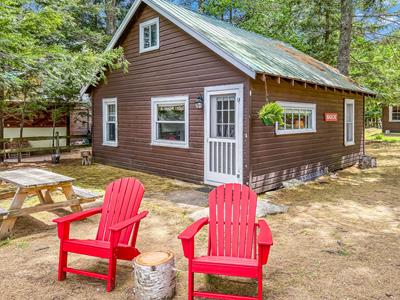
225, 265
99, 248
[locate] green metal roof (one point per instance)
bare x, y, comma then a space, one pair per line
258, 53
250, 52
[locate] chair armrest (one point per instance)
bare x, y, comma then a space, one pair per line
187, 237
265, 235
78, 216
126, 223
264, 242
192, 229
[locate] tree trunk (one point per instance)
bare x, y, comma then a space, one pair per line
201, 6
346, 25
21, 129
2, 106
68, 124
111, 16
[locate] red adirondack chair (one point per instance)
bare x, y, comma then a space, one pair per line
116, 235
238, 246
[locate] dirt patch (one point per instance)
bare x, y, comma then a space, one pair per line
339, 240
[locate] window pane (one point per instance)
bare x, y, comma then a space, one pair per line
296, 121
219, 116
111, 132
349, 111
168, 112
231, 131
289, 119
171, 132
232, 117
154, 35
146, 37
349, 132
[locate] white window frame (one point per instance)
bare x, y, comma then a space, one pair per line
106, 102
349, 101
141, 35
173, 100
286, 104
391, 115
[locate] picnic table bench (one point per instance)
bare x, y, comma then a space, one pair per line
38, 182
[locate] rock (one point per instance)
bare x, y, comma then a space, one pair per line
292, 183
267, 208
263, 208
334, 176
367, 162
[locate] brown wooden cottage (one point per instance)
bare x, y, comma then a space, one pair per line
391, 119
188, 107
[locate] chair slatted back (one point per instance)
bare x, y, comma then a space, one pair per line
232, 221
121, 202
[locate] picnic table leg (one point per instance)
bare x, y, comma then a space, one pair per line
8, 224
44, 197
69, 193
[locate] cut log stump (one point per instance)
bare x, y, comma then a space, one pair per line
154, 276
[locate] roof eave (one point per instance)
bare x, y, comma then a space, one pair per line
367, 93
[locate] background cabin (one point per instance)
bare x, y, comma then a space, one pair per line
391, 119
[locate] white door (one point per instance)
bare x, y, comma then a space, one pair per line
223, 108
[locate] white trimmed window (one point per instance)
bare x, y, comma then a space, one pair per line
110, 122
394, 113
348, 122
149, 37
170, 121
297, 118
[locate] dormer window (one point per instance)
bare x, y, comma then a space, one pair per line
149, 35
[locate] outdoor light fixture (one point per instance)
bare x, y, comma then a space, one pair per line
198, 103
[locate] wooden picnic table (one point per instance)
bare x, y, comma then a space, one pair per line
33, 181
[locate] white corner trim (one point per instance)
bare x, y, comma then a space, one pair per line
169, 100
287, 104
141, 36
104, 104
349, 101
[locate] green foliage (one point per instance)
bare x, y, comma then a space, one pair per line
271, 113
376, 135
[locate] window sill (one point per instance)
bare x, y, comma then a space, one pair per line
349, 144
110, 144
149, 49
286, 132
170, 145
394, 121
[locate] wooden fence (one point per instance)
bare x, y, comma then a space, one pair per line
7, 151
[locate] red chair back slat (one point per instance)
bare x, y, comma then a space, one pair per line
121, 202
232, 221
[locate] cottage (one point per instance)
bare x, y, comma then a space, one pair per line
391, 119
188, 108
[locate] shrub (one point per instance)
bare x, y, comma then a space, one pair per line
271, 113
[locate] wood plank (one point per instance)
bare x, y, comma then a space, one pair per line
7, 225
33, 178
13, 213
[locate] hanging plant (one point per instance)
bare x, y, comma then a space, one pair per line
271, 113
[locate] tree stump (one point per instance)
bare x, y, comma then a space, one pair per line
154, 276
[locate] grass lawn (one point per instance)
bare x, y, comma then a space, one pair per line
339, 240
376, 135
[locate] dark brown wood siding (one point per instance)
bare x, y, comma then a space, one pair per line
182, 66
386, 125
278, 158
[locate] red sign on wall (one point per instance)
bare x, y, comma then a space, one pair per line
330, 117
